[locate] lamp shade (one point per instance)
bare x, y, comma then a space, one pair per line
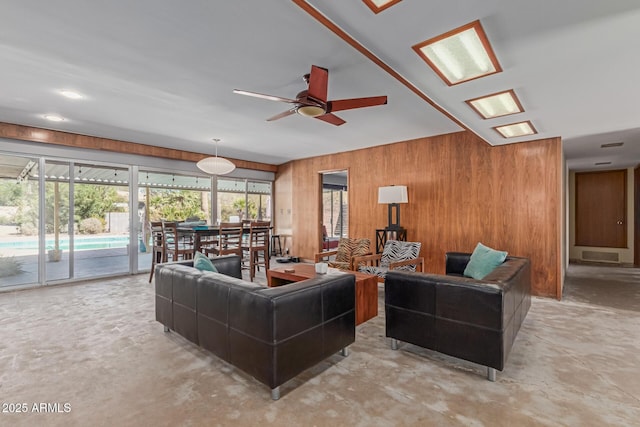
215, 165
393, 194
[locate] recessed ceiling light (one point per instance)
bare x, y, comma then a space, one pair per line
516, 129
496, 105
460, 55
54, 118
612, 144
71, 94
379, 5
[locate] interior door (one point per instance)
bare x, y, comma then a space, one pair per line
601, 209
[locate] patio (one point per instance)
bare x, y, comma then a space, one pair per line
87, 264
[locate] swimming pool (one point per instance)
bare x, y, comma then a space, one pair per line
79, 243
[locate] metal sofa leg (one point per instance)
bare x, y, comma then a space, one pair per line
166, 329
345, 351
394, 344
275, 393
491, 374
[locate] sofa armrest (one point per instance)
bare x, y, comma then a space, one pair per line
230, 265
456, 262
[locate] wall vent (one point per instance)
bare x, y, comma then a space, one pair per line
612, 144
600, 256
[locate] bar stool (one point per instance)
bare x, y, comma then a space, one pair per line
276, 245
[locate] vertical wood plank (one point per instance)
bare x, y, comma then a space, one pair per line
461, 192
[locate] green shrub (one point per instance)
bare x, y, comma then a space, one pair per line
90, 226
10, 266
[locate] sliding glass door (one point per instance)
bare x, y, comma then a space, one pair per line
19, 220
101, 220
64, 220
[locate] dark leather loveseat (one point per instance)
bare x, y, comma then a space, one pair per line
273, 334
475, 320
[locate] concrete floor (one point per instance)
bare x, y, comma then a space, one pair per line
93, 354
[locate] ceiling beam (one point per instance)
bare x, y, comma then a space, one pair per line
34, 134
334, 28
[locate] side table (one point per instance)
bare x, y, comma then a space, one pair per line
384, 234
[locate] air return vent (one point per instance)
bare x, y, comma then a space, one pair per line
600, 256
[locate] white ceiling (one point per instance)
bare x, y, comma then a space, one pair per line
161, 72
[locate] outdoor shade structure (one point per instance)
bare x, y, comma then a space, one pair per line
393, 195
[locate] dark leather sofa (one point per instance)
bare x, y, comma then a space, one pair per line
475, 320
273, 334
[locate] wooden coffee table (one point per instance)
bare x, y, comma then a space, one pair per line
366, 286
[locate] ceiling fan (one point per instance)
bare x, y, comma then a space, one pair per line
313, 101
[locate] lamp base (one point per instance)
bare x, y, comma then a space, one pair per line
384, 234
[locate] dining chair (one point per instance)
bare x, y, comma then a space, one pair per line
256, 247
158, 254
176, 246
229, 240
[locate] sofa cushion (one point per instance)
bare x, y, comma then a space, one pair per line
483, 260
202, 262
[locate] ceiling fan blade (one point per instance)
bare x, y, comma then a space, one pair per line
260, 95
281, 115
349, 104
331, 118
318, 82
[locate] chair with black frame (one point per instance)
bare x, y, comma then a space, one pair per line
158, 254
176, 246
256, 247
228, 241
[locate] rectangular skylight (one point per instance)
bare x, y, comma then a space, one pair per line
460, 55
496, 105
516, 129
379, 5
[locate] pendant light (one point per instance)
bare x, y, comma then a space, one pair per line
215, 165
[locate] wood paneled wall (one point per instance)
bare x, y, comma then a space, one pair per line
461, 191
27, 133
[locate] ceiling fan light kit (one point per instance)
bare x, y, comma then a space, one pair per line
313, 101
310, 110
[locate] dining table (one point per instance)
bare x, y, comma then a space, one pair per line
198, 231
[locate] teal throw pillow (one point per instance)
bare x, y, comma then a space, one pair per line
202, 262
483, 260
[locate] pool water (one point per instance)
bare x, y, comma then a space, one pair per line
79, 243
